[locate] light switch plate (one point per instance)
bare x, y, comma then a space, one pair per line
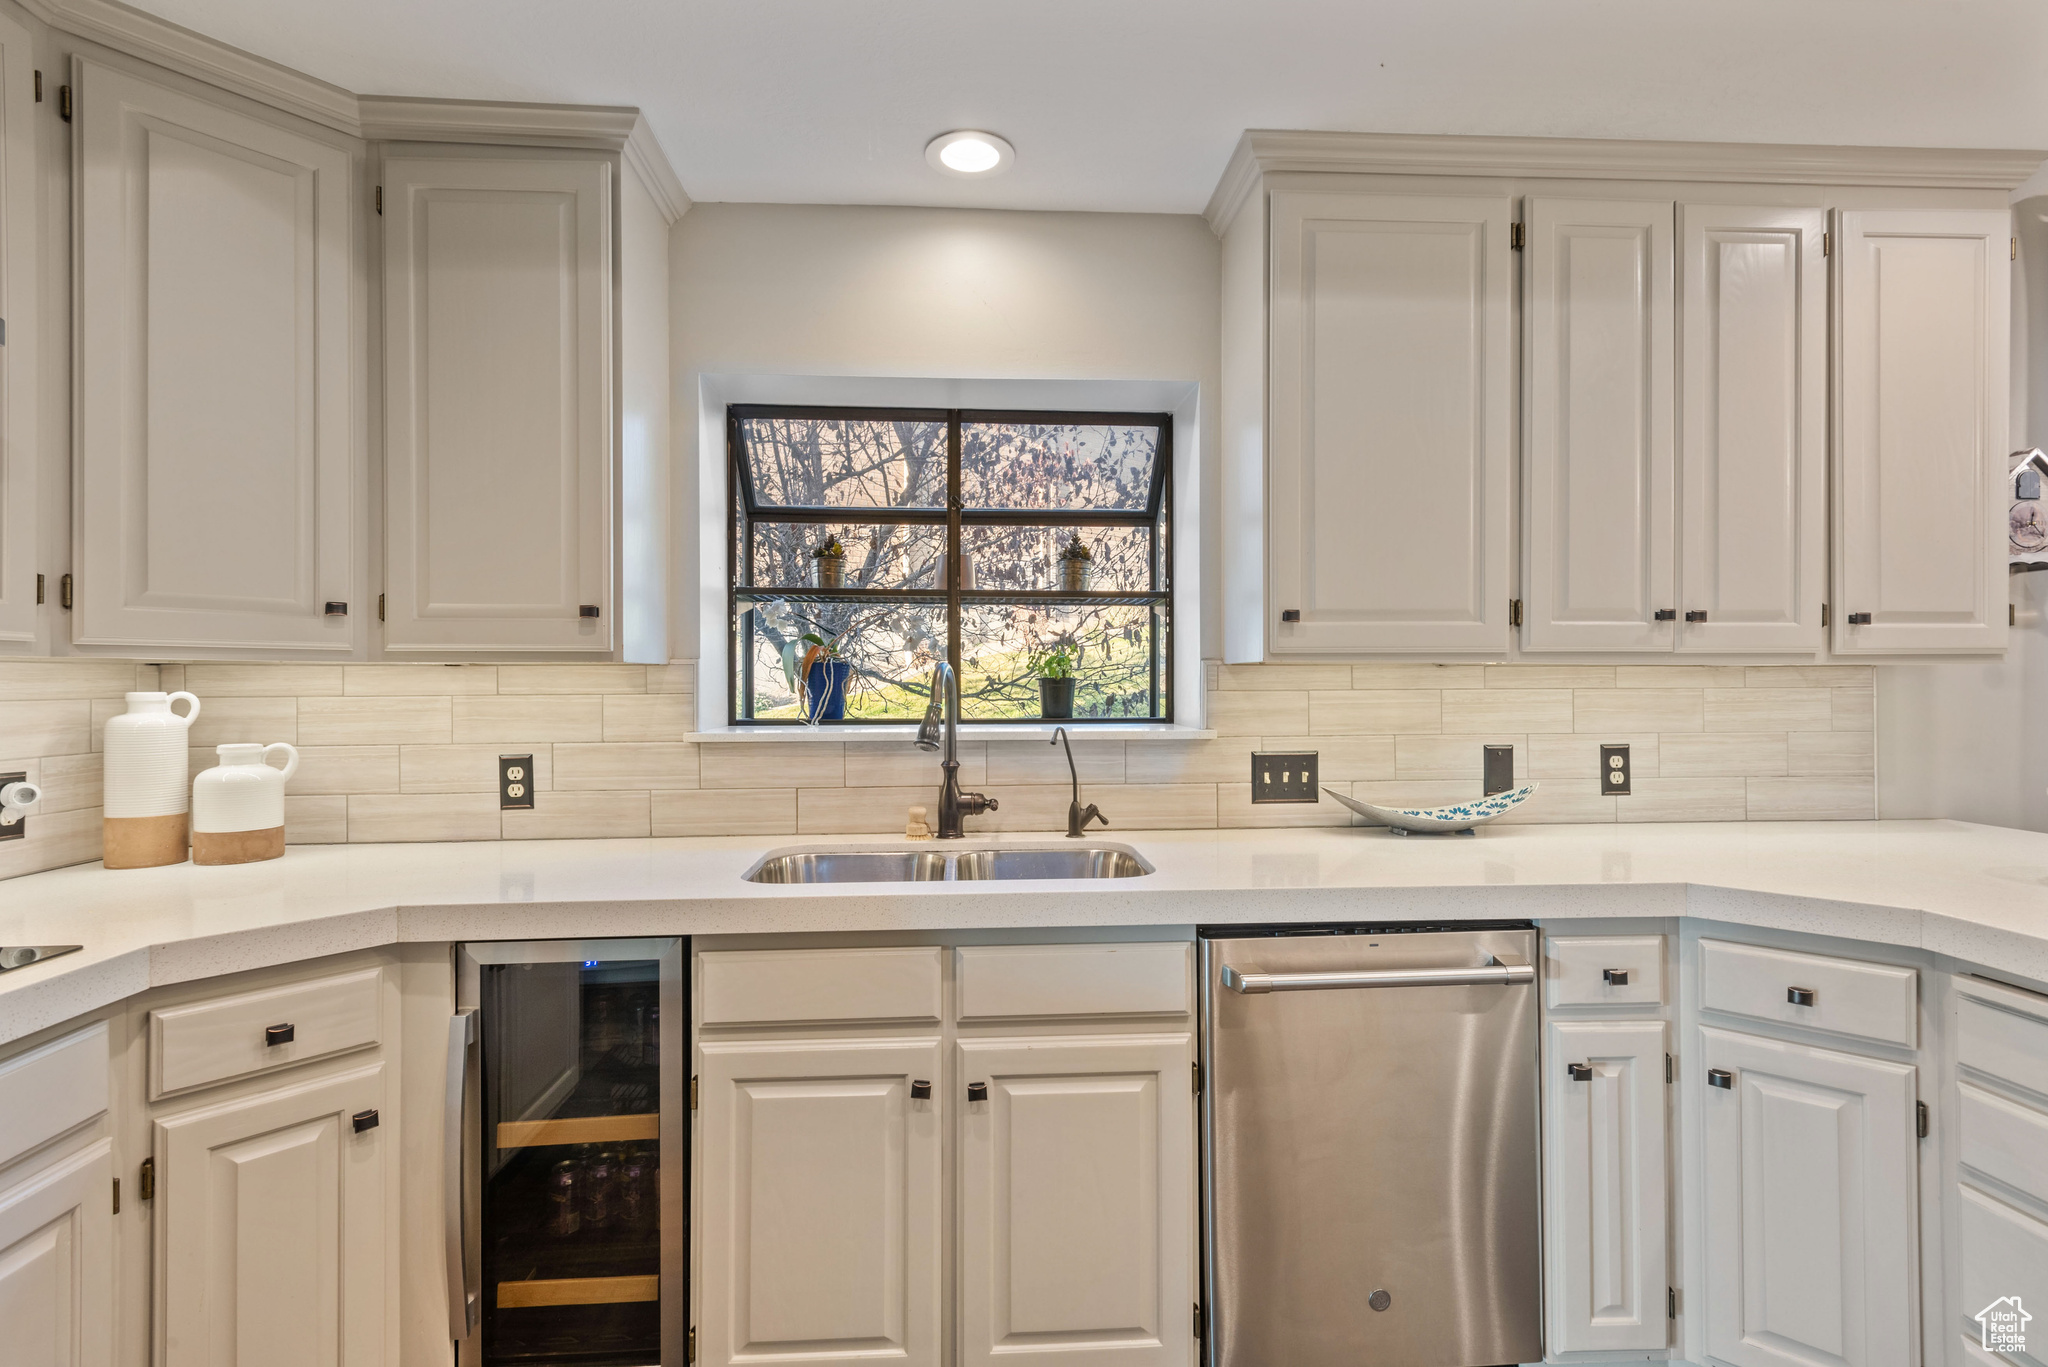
1285, 776
1614, 770
1500, 769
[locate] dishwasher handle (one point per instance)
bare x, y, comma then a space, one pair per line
1500, 970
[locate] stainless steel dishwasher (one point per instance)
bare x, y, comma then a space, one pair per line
1369, 1132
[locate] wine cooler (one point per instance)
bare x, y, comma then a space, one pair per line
566, 1152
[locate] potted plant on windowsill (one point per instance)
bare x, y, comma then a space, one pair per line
831, 562
1074, 563
825, 677
1055, 670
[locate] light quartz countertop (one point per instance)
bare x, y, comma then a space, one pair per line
1975, 893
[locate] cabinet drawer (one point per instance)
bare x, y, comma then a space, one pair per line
2005, 1141
1577, 970
2002, 1032
1846, 996
52, 1089
1072, 980
208, 1042
775, 986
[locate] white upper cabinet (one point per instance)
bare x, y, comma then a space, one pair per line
499, 403
18, 335
1391, 423
1752, 428
1600, 550
216, 441
1919, 514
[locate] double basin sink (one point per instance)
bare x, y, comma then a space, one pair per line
1002, 864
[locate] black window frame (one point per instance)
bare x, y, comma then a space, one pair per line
743, 509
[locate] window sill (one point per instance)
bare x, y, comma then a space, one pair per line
801, 735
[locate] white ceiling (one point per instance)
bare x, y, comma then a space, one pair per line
1135, 104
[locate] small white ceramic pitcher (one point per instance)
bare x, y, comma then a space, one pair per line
238, 805
147, 795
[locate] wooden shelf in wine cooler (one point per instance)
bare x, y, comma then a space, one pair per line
578, 1291
587, 1129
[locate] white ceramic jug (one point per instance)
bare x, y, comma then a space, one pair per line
146, 797
238, 805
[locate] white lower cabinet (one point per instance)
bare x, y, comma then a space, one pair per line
819, 1204
57, 1306
1077, 1201
1605, 1160
1809, 1196
270, 1228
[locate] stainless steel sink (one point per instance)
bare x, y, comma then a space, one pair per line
1080, 861
853, 866
935, 866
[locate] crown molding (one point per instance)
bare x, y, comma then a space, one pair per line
194, 54
407, 118
645, 159
1261, 151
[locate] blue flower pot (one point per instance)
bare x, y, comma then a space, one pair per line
825, 690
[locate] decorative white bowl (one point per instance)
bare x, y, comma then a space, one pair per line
1452, 820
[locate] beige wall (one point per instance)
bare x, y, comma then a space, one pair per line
406, 752
899, 293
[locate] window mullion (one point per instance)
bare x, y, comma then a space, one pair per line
951, 569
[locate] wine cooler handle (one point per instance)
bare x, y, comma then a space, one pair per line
463, 1289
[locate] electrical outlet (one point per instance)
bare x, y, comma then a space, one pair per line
18, 828
515, 782
1285, 776
1500, 769
1614, 770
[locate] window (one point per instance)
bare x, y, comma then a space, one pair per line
845, 521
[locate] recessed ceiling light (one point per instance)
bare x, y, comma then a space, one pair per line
969, 154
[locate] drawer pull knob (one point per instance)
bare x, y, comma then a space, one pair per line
977, 1091
920, 1090
1290, 614
1697, 615
1665, 614
1722, 1078
1616, 977
364, 1120
1859, 619
1580, 1072
1799, 996
274, 1035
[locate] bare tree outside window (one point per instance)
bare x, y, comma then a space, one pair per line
899, 539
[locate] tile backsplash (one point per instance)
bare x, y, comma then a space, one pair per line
409, 751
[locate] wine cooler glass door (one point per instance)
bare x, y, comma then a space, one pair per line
579, 1192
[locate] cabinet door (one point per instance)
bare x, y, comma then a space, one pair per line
817, 1221
1606, 1198
1601, 552
216, 440
270, 1237
498, 404
1809, 1193
57, 1304
1391, 423
1077, 1201
1919, 485
1753, 431
18, 337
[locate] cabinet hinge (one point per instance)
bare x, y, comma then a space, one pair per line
1516, 237
117, 1196
1198, 1319
64, 592
1920, 1118
1514, 612
380, 199
1197, 1066
39, 591
1823, 614
1827, 244
693, 1091
2012, 614
693, 1343
145, 1186
1670, 1302
1670, 1070
39, 87
2015, 249
64, 103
